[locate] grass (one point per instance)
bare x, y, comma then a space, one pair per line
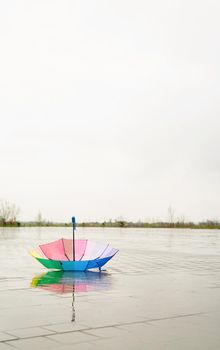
209, 224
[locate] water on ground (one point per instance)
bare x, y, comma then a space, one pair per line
161, 291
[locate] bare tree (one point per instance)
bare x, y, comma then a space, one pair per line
14, 212
120, 221
39, 219
8, 212
171, 215
181, 219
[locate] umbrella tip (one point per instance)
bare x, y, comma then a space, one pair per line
73, 220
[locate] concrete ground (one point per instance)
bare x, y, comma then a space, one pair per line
160, 292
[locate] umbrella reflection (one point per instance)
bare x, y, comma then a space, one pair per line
67, 281
60, 282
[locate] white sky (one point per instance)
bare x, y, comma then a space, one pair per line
110, 108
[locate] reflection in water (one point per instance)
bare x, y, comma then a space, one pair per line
73, 308
72, 282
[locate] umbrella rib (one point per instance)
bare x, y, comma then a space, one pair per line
64, 250
84, 250
44, 253
103, 251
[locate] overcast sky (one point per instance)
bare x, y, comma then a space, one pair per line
110, 108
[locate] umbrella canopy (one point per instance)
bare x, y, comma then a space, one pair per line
59, 254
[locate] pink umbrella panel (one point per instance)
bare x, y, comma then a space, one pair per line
59, 254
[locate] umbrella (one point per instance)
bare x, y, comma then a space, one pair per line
73, 255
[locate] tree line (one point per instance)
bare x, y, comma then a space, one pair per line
9, 213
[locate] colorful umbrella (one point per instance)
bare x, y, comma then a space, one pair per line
73, 255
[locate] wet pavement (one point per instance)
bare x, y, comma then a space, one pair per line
161, 291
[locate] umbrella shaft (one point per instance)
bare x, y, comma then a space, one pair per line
73, 243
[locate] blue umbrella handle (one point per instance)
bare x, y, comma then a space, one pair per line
74, 226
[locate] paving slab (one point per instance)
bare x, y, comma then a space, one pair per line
72, 337
4, 346
66, 327
33, 343
107, 332
29, 332
4, 336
